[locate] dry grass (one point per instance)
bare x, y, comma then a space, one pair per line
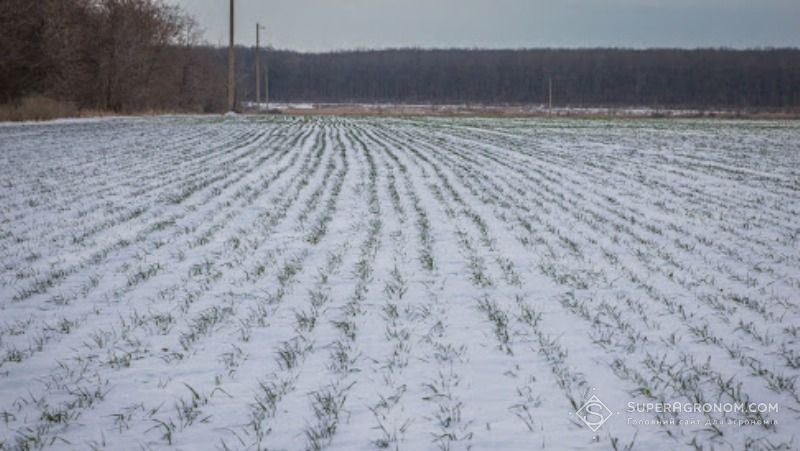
43, 108
38, 108
531, 111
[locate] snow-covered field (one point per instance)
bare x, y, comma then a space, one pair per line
353, 284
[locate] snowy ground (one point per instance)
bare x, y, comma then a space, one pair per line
354, 284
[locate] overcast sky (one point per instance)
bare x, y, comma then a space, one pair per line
319, 25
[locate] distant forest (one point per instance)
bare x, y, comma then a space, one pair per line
580, 77
139, 55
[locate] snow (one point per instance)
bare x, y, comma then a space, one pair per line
290, 106
490, 109
259, 282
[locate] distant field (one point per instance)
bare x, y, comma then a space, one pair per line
355, 283
518, 111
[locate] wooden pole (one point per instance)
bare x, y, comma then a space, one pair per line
231, 65
266, 83
258, 66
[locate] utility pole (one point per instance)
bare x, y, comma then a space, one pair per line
266, 83
550, 95
231, 66
258, 69
258, 65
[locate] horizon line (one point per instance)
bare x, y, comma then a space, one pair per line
509, 49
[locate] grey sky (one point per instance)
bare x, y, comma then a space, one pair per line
316, 25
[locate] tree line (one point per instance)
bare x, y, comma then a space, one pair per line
138, 55
110, 55
580, 77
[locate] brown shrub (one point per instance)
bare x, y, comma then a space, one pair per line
37, 108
